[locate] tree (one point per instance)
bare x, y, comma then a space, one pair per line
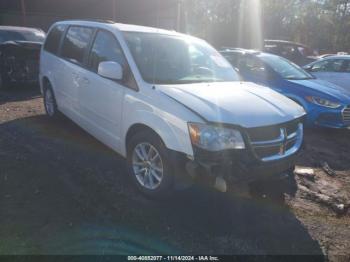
322, 24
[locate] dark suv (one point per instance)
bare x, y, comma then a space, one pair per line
19, 55
295, 52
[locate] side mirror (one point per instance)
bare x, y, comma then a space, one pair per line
110, 70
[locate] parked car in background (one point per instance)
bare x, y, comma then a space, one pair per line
19, 55
298, 53
169, 103
327, 105
324, 56
334, 69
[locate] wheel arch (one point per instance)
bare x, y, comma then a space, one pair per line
138, 128
173, 137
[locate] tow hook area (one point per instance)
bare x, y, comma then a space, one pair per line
205, 173
214, 176
220, 184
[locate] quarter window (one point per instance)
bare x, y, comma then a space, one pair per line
347, 66
319, 67
106, 48
76, 43
329, 66
336, 65
53, 39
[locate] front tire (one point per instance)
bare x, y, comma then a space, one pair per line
50, 103
148, 165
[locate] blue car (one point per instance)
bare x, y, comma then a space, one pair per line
326, 104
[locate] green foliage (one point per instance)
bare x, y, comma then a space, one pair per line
322, 24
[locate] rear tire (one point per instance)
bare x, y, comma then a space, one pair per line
50, 103
149, 165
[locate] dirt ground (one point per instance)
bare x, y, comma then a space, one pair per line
63, 192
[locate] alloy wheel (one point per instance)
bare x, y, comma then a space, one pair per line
147, 165
49, 102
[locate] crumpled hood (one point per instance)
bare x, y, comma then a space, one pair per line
325, 87
239, 103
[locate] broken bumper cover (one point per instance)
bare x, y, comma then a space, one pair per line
237, 166
270, 152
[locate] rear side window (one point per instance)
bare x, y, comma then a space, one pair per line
106, 48
53, 39
347, 66
76, 43
335, 65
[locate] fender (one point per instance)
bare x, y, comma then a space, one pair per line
297, 100
174, 134
173, 130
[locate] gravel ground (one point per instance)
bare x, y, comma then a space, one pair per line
63, 192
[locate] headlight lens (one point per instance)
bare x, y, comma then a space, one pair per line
215, 138
323, 102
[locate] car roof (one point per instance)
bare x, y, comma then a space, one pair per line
240, 51
120, 26
337, 57
251, 52
19, 28
346, 57
282, 42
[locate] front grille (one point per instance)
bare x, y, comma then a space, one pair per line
271, 132
346, 115
276, 142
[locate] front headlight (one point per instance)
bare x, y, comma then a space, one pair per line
215, 138
323, 102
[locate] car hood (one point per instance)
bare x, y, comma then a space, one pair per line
324, 87
238, 103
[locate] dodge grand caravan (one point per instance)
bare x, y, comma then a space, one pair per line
169, 103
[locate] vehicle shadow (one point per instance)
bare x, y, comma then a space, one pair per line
59, 184
19, 93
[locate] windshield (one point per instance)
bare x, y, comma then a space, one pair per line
32, 36
164, 59
285, 68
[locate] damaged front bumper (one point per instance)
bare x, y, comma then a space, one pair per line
269, 153
237, 166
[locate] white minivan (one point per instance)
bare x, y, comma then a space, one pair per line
169, 103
